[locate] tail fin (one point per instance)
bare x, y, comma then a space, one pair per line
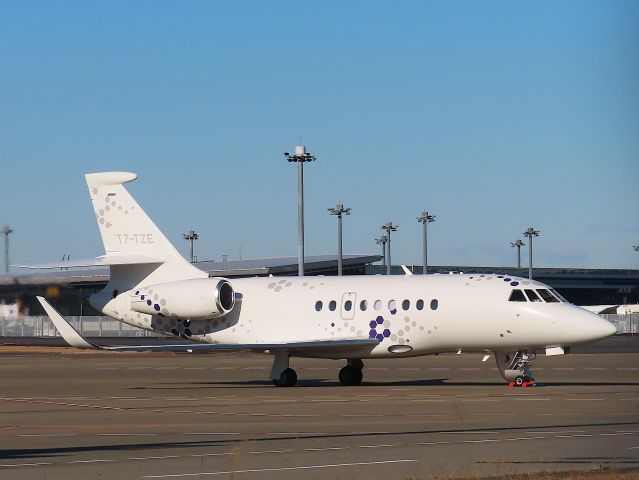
127, 230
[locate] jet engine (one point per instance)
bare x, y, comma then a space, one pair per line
195, 299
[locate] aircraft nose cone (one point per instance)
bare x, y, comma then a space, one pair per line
583, 326
598, 327
608, 329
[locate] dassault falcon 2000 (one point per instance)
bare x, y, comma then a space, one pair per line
352, 318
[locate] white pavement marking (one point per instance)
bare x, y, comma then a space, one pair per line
585, 399
271, 451
279, 469
90, 461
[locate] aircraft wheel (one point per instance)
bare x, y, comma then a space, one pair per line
350, 376
288, 378
519, 381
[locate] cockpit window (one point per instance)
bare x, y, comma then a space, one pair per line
546, 295
532, 296
558, 295
517, 296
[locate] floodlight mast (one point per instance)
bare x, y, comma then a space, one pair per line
382, 241
518, 243
300, 157
530, 233
388, 227
339, 210
6, 231
191, 236
426, 218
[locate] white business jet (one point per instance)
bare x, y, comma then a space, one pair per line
352, 318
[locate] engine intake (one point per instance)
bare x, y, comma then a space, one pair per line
195, 299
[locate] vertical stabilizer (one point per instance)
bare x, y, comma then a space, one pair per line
127, 230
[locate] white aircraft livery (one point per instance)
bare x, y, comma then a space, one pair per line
350, 317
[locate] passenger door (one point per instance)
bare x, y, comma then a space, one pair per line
348, 305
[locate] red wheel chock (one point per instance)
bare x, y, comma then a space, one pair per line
523, 385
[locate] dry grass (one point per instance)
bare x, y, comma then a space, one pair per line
605, 474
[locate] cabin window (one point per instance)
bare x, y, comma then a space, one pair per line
318, 306
517, 296
363, 305
348, 305
405, 304
420, 304
392, 306
546, 295
378, 305
434, 304
332, 305
532, 296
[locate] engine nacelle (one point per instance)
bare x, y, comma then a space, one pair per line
195, 299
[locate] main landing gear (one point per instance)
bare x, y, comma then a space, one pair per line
284, 376
515, 367
281, 374
351, 374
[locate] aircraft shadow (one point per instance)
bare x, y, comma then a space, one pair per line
329, 383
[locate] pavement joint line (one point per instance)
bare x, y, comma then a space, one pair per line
278, 469
576, 435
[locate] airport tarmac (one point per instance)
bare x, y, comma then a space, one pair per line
66, 414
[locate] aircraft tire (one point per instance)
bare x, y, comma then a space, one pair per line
288, 378
350, 376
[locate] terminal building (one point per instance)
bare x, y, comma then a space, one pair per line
68, 288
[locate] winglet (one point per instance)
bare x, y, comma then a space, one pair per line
70, 334
406, 270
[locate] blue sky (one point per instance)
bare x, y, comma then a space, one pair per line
495, 116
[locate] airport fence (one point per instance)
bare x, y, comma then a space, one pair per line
103, 326
89, 326
626, 324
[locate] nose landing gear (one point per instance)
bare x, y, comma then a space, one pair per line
515, 367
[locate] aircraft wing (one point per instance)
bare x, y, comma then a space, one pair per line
101, 261
74, 339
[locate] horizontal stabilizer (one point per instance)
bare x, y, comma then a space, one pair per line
101, 261
70, 334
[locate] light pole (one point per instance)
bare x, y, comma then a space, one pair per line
191, 236
382, 241
530, 233
6, 230
389, 227
518, 243
339, 210
300, 157
426, 218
